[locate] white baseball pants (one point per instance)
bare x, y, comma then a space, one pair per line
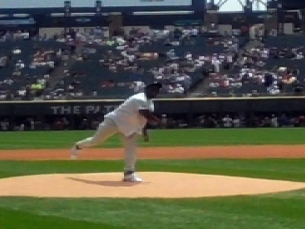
107, 129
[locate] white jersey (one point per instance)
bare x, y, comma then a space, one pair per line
127, 116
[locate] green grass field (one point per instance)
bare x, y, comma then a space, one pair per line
159, 138
272, 211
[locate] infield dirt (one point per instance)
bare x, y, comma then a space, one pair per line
272, 151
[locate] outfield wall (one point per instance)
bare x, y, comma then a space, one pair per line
167, 106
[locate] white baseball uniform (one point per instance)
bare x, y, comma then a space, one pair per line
127, 122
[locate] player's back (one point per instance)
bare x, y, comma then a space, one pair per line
131, 104
130, 107
127, 116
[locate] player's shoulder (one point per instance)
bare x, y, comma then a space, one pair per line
138, 97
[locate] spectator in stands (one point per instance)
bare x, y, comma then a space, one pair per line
4, 125
274, 121
236, 122
227, 121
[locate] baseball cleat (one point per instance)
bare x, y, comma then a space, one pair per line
132, 177
74, 152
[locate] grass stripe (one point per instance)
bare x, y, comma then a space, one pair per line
25, 219
184, 137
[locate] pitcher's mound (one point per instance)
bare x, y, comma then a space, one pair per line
155, 185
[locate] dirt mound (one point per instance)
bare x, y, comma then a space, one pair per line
155, 185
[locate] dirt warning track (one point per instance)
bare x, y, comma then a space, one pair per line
249, 152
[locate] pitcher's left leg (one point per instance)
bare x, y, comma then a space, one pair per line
130, 145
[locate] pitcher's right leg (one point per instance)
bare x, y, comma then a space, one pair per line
105, 130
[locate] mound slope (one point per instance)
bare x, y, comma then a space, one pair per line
155, 185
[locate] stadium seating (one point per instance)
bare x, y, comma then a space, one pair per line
96, 74
275, 45
93, 78
13, 78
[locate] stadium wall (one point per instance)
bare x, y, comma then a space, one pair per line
187, 107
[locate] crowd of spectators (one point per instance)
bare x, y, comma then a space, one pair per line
271, 67
97, 64
179, 58
26, 63
124, 63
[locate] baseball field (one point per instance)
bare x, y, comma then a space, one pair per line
211, 178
